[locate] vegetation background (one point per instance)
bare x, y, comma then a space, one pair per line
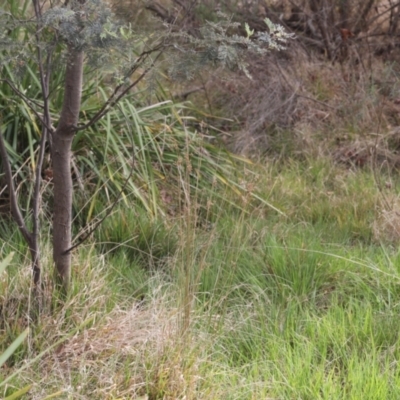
254, 253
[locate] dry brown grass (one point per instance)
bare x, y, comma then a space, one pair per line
132, 351
297, 105
377, 151
386, 227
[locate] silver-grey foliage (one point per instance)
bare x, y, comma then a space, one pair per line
217, 45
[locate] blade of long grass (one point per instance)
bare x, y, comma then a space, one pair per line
14, 345
19, 393
5, 262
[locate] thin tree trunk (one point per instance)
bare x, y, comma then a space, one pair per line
61, 158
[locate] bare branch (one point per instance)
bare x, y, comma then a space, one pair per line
180, 3
322, 25
184, 95
387, 10
363, 14
160, 11
115, 97
15, 210
44, 82
28, 103
91, 231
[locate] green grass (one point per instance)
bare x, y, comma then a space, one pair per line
225, 301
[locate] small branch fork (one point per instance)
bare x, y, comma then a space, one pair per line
98, 223
115, 96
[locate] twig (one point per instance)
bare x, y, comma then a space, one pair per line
159, 10
27, 102
102, 220
184, 95
302, 95
15, 210
44, 82
115, 97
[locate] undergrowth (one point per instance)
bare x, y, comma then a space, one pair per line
232, 301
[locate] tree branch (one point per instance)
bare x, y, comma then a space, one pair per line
44, 82
115, 97
80, 241
27, 102
184, 95
387, 10
362, 15
159, 10
15, 210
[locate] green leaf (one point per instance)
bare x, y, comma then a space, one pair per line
19, 393
54, 395
5, 262
270, 24
249, 32
10, 350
